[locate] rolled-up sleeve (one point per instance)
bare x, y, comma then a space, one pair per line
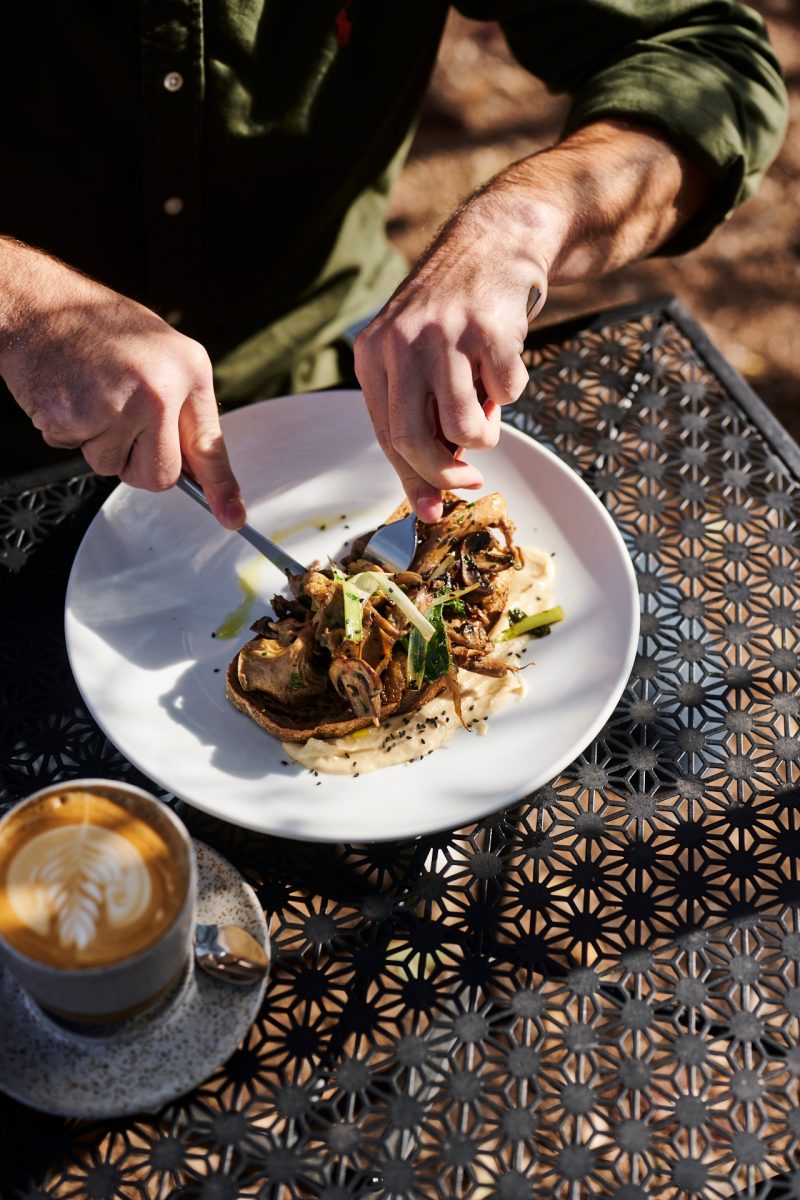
701, 71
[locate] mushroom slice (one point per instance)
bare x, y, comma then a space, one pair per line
358, 684
286, 673
469, 634
482, 556
284, 632
486, 664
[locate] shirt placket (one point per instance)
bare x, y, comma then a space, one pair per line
173, 86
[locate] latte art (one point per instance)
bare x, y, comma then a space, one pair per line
85, 881
75, 878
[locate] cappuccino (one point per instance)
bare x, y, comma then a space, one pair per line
97, 891
84, 881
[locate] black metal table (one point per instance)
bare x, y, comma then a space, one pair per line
595, 993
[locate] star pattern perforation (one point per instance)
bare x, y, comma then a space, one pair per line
594, 994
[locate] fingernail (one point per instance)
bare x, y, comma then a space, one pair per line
233, 514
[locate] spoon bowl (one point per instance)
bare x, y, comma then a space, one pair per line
230, 953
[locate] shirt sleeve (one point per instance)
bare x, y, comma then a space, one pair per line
702, 71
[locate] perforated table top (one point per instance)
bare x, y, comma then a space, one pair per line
595, 993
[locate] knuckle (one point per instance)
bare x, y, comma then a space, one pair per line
503, 392
156, 392
511, 386
491, 433
480, 331
470, 441
205, 442
159, 483
404, 444
400, 337
198, 358
163, 476
58, 441
382, 432
104, 460
490, 436
463, 429
156, 399
364, 346
521, 381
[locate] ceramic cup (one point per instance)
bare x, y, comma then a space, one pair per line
97, 895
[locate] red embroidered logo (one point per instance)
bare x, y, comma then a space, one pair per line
344, 26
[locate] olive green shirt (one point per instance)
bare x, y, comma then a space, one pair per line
229, 163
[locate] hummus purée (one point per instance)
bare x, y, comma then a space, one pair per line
405, 738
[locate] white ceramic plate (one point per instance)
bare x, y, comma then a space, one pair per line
155, 576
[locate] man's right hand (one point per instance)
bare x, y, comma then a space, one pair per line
98, 372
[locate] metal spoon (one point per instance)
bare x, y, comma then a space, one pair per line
394, 545
230, 953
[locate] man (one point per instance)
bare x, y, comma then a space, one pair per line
188, 184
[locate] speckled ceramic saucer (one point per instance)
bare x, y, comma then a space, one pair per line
139, 1064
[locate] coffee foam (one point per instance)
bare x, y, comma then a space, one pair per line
84, 881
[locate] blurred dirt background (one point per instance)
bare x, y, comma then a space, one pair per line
743, 285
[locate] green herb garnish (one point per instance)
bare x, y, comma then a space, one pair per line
437, 659
550, 616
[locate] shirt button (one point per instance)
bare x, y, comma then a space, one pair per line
173, 81
173, 206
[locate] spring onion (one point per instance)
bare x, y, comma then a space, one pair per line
415, 662
430, 660
358, 589
550, 616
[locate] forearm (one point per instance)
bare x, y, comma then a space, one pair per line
25, 275
609, 194
37, 293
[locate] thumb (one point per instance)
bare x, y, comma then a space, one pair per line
206, 457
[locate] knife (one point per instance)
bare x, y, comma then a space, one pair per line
274, 553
